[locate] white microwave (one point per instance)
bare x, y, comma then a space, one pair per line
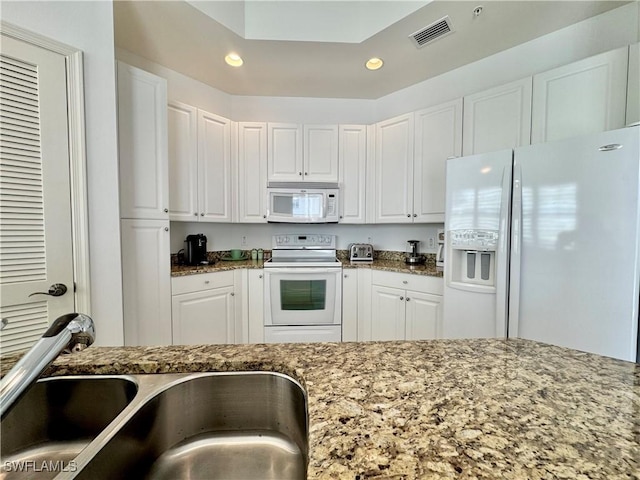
302, 203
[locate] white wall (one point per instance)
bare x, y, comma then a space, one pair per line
88, 26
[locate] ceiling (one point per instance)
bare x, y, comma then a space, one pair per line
292, 48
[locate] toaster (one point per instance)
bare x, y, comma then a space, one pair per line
361, 252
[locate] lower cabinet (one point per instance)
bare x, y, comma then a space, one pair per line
206, 308
405, 307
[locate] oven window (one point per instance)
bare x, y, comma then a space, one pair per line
303, 294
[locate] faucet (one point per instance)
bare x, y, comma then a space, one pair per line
69, 333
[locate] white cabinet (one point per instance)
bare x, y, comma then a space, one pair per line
298, 153
498, 118
205, 309
584, 97
633, 86
200, 165
405, 306
255, 298
142, 144
438, 136
252, 172
349, 305
353, 166
394, 170
146, 283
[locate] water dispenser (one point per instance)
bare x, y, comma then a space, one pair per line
472, 257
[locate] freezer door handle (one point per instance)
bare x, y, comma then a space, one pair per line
516, 251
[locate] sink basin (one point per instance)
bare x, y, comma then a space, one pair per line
238, 425
56, 419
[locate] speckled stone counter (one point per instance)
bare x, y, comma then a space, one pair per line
489, 409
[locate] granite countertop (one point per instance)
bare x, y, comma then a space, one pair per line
384, 260
489, 409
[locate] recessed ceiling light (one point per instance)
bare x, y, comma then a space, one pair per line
374, 63
234, 60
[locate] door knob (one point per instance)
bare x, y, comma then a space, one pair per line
55, 290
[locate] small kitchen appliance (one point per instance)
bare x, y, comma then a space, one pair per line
412, 257
195, 249
361, 252
306, 202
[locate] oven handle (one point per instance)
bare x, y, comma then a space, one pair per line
302, 270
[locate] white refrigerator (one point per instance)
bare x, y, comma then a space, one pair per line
543, 243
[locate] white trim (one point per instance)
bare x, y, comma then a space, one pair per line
77, 157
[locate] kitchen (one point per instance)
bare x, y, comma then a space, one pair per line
316, 111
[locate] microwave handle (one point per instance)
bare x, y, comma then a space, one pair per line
326, 205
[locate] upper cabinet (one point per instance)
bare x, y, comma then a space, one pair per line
438, 136
584, 97
394, 170
497, 118
633, 86
200, 165
142, 144
353, 165
252, 172
298, 153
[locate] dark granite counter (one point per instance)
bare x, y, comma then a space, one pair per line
460, 409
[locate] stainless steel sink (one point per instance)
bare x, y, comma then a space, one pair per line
206, 426
56, 419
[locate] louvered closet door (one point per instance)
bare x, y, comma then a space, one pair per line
35, 208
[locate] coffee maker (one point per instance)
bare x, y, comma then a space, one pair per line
195, 249
412, 257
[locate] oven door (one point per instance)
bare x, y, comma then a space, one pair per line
303, 296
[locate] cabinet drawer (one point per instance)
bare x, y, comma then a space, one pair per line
407, 281
201, 281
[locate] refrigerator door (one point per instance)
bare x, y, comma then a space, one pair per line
476, 245
574, 259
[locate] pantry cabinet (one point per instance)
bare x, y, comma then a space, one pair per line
584, 97
438, 136
394, 170
252, 172
405, 306
302, 153
206, 309
146, 283
200, 165
142, 144
352, 162
498, 118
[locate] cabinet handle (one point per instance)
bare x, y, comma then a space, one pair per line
233, 294
408, 299
264, 216
415, 214
346, 276
306, 173
166, 229
401, 298
299, 173
195, 214
206, 282
341, 217
408, 215
259, 276
166, 210
405, 282
202, 214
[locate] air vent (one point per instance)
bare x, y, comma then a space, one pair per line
437, 29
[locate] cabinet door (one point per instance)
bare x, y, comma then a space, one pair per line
498, 118
583, 97
142, 144
424, 316
214, 167
146, 282
252, 172
438, 136
352, 163
394, 170
320, 158
350, 305
182, 123
284, 157
387, 313
633, 86
204, 317
255, 299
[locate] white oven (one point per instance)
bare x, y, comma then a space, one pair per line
303, 291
